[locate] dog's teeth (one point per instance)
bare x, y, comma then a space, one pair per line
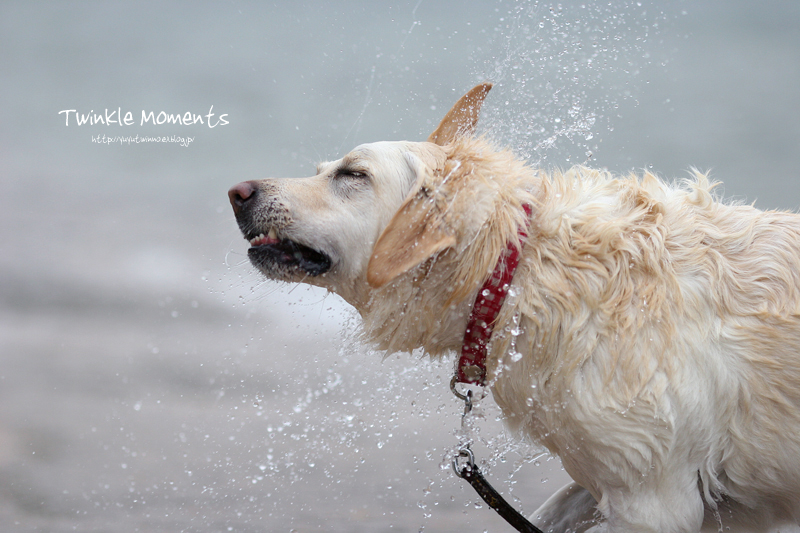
272, 233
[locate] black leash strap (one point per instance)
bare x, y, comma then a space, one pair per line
472, 474
493, 499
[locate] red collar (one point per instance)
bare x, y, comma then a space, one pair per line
472, 363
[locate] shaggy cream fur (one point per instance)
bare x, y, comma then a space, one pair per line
650, 339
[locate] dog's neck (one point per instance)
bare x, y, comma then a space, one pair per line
411, 313
408, 331
418, 310
428, 306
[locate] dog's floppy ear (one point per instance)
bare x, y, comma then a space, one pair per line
416, 232
461, 120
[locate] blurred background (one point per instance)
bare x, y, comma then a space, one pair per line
150, 381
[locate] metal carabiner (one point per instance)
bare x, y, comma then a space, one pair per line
453, 388
469, 465
466, 398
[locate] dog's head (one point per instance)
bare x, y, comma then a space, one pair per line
364, 219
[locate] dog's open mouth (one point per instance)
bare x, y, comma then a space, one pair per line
268, 252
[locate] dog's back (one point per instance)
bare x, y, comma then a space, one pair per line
741, 269
663, 328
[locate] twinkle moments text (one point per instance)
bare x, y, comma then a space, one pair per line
115, 117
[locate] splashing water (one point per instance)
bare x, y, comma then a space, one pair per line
563, 74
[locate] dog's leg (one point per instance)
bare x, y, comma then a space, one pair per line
665, 503
571, 509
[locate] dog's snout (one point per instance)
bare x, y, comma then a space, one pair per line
241, 194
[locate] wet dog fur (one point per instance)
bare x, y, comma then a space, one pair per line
659, 325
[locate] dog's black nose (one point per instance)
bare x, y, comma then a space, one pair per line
241, 194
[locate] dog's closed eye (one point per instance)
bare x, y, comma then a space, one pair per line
350, 173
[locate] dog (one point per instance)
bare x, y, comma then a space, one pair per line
651, 341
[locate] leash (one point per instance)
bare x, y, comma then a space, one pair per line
472, 474
471, 369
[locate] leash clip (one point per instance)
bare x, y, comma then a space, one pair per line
466, 398
469, 465
470, 472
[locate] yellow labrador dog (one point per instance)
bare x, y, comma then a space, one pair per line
651, 341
